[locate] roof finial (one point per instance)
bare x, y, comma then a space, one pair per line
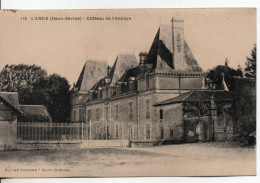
224, 85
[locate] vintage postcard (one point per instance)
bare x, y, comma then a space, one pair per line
128, 92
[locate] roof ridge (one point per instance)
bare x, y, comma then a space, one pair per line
8, 92
188, 95
130, 54
32, 105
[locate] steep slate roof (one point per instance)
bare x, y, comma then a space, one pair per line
91, 73
34, 110
123, 62
11, 98
133, 72
161, 53
34, 113
203, 95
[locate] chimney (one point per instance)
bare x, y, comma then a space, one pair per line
178, 44
108, 70
143, 57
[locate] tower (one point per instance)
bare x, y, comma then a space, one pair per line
178, 44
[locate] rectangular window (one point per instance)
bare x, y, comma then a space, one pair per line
131, 85
74, 115
118, 89
162, 133
130, 111
171, 132
99, 94
97, 114
117, 128
107, 92
79, 114
108, 134
107, 113
161, 114
148, 131
117, 111
83, 116
147, 108
89, 115
131, 131
147, 82
96, 129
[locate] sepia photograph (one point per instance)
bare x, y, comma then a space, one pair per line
128, 92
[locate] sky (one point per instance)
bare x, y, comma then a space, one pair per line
63, 46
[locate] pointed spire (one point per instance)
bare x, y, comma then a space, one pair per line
223, 84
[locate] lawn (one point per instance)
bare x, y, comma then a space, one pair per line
203, 159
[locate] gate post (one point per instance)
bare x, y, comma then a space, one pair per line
106, 129
90, 131
122, 133
82, 130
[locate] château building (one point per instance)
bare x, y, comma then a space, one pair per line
129, 101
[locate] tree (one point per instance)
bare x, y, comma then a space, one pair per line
250, 70
214, 76
34, 87
53, 92
13, 78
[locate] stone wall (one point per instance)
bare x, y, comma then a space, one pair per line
171, 126
197, 129
8, 134
223, 128
175, 83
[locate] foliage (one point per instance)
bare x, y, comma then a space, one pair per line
224, 108
53, 92
250, 70
215, 78
244, 131
34, 87
196, 109
14, 78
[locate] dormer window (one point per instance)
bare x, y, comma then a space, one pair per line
99, 92
131, 83
91, 95
107, 92
118, 89
107, 80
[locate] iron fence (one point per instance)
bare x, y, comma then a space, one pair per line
98, 130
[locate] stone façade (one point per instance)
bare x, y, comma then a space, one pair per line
120, 105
